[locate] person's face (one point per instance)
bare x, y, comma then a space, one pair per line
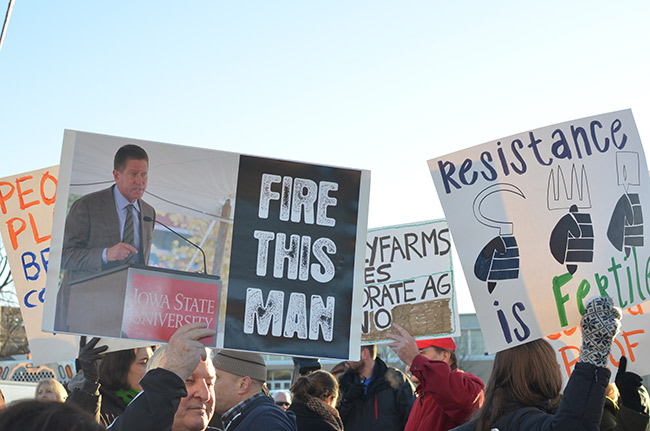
132, 180
196, 409
282, 400
138, 367
227, 386
46, 393
356, 366
433, 355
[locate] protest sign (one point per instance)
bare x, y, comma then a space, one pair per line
26, 208
296, 259
26, 212
544, 219
187, 203
408, 280
632, 341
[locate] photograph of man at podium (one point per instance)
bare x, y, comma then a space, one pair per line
107, 228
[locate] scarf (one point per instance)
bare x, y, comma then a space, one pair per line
127, 395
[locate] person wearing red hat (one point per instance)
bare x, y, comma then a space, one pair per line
447, 396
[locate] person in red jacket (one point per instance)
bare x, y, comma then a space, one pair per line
447, 396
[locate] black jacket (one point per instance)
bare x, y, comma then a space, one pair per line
385, 405
262, 414
154, 408
308, 420
580, 409
105, 406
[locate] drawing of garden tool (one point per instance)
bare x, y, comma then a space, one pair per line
572, 239
499, 259
625, 228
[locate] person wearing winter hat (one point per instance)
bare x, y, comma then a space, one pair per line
447, 396
240, 399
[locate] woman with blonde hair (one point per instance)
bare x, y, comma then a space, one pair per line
523, 392
314, 402
51, 390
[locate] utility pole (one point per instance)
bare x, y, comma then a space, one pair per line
6, 23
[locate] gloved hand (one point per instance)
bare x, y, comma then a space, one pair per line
88, 359
355, 391
599, 325
628, 384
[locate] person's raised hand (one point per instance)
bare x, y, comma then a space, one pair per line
120, 251
403, 344
88, 359
599, 325
184, 351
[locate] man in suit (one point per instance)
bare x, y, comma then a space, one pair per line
106, 229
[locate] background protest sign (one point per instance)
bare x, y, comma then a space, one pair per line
196, 191
632, 341
26, 208
26, 212
544, 219
408, 279
297, 254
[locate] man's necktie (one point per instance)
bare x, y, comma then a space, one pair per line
129, 237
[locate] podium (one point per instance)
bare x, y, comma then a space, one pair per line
142, 302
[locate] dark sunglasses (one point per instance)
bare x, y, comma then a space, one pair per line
282, 403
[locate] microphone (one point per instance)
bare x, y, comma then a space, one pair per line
205, 261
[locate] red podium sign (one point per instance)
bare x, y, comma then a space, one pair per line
157, 304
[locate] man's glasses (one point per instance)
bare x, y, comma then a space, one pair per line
283, 403
426, 349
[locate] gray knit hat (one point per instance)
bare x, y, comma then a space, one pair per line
241, 364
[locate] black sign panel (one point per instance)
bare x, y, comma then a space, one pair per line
292, 261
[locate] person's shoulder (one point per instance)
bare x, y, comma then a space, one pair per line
395, 378
95, 196
145, 207
467, 375
468, 426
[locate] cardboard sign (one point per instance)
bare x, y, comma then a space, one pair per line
192, 192
545, 219
295, 259
632, 341
409, 280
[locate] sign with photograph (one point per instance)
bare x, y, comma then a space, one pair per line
547, 218
408, 279
130, 210
26, 213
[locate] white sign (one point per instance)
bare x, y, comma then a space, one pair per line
26, 211
545, 219
632, 341
409, 280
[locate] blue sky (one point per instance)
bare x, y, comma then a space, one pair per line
379, 85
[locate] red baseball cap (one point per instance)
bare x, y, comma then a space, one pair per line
443, 343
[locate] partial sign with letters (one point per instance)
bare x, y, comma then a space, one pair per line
409, 280
547, 218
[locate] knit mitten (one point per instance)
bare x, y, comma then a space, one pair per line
599, 324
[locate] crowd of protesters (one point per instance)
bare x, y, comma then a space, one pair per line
186, 387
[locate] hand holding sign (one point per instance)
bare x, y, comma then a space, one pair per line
404, 345
184, 351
